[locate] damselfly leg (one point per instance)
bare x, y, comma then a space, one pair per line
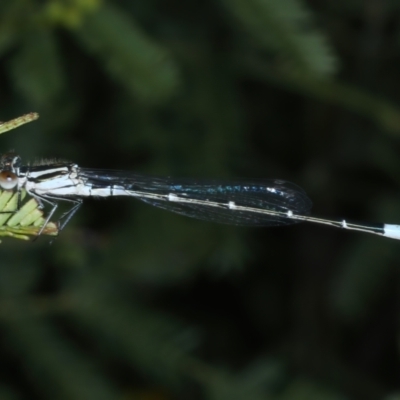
52, 201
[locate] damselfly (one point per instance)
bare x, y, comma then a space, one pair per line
249, 203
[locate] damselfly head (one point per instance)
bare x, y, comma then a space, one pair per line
10, 162
9, 169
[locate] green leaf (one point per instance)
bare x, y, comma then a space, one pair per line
27, 221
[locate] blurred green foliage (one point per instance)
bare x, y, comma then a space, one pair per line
131, 302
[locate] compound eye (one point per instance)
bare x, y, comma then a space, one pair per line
8, 180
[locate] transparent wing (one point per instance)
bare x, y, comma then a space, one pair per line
241, 202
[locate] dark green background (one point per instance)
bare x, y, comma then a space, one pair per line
131, 302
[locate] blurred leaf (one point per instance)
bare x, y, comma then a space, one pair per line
365, 271
257, 381
15, 18
37, 69
55, 367
150, 343
141, 66
7, 393
302, 389
285, 27
68, 13
374, 108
